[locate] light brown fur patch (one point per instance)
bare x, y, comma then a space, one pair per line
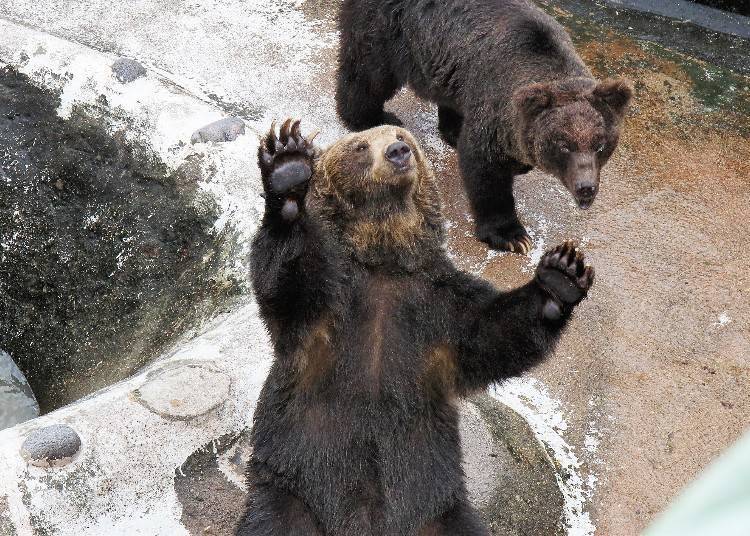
380, 295
314, 358
400, 230
440, 372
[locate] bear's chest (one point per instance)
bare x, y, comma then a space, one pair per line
388, 332
378, 346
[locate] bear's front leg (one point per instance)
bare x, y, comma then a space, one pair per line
566, 279
499, 335
292, 254
449, 125
488, 177
286, 167
490, 192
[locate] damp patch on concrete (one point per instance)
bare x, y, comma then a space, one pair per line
212, 502
524, 497
530, 399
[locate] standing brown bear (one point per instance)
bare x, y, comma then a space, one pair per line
511, 92
376, 334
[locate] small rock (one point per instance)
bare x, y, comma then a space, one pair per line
51, 446
226, 129
127, 70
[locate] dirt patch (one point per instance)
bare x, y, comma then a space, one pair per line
211, 504
104, 254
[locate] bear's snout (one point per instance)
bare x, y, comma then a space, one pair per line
399, 154
585, 178
585, 196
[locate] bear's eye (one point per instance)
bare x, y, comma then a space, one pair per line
399, 137
564, 148
601, 147
361, 146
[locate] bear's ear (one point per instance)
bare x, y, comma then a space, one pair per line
616, 93
533, 99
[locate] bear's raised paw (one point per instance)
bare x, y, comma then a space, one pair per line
563, 274
285, 163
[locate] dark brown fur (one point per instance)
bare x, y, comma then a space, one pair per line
512, 94
376, 334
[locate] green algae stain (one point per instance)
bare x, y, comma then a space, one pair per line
717, 90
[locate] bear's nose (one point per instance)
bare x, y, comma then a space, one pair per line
586, 192
398, 153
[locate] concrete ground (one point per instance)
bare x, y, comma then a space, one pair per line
652, 379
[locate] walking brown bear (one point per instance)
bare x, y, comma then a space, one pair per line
375, 335
511, 92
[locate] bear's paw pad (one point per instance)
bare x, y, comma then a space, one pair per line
286, 160
563, 273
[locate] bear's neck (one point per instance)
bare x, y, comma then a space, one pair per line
399, 241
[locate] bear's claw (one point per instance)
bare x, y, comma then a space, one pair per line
563, 274
511, 237
286, 166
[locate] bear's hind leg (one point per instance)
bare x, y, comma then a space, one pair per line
449, 125
363, 87
275, 512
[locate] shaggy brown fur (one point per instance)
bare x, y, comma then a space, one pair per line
512, 94
375, 335
383, 217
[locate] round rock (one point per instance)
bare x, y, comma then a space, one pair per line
127, 70
227, 129
184, 392
51, 446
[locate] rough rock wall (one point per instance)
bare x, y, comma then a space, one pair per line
104, 255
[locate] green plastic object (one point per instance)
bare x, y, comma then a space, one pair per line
716, 504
